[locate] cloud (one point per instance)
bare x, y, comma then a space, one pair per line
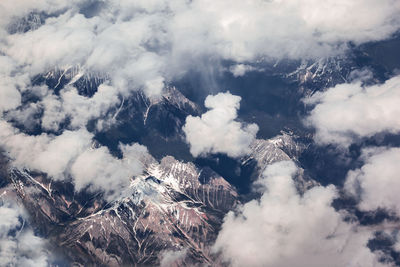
99, 170
143, 45
106, 43
72, 154
79, 109
146, 44
244, 31
57, 43
19, 246
348, 112
376, 183
172, 258
140, 43
68, 109
216, 131
241, 69
10, 96
11, 10
50, 154
285, 228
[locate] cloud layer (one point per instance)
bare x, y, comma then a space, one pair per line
216, 131
285, 228
143, 44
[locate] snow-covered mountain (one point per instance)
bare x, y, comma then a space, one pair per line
172, 206
175, 206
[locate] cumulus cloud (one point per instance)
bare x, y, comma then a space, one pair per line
19, 246
240, 30
216, 131
10, 96
99, 170
142, 44
285, 228
72, 154
348, 112
11, 10
50, 154
79, 109
376, 183
108, 42
145, 44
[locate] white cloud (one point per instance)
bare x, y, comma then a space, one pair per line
71, 155
142, 44
240, 69
285, 228
13, 9
148, 43
396, 245
376, 183
18, 244
145, 44
106, 43
172, 258
79, 109
50, 154
246, 30
10, 96
59, 42
216, 131
99, 170
348, 112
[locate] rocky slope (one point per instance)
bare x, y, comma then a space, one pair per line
280, 148
173, 206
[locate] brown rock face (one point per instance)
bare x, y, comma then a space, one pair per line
174, 206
